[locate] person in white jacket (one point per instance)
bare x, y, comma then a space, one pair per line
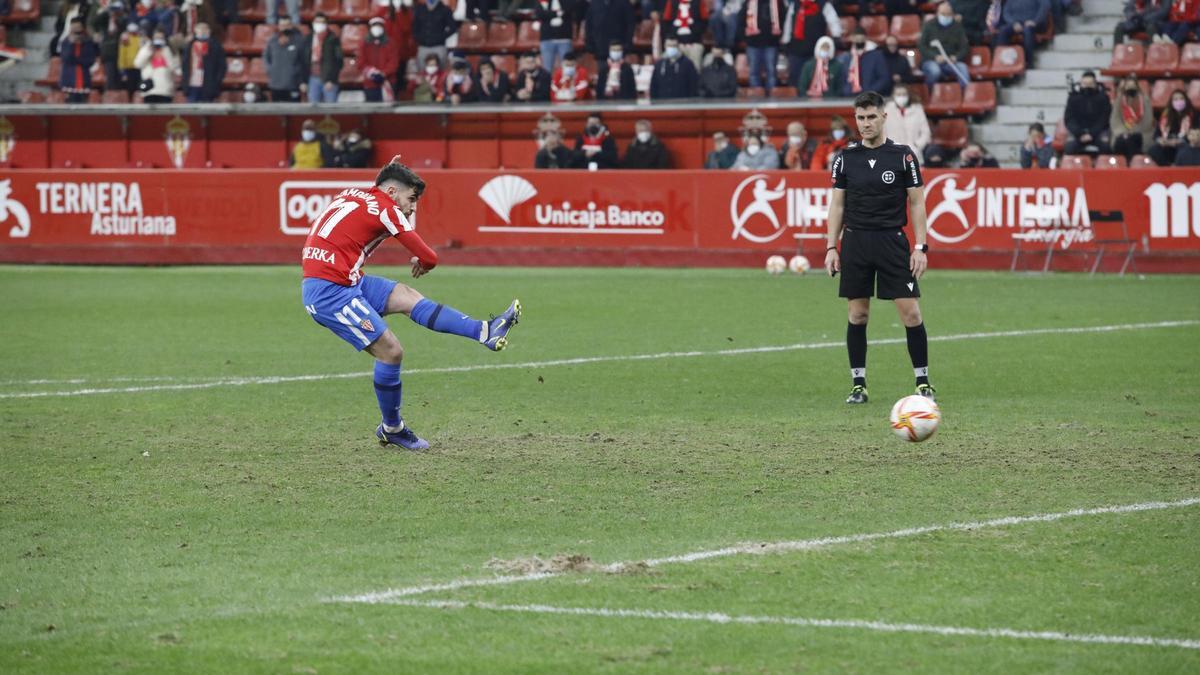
906, 121
158, 63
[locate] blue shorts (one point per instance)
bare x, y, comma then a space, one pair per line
351, 312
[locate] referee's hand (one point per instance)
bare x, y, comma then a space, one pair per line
918, 263
833, 262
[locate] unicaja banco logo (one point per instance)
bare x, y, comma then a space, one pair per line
504, 193
757, 220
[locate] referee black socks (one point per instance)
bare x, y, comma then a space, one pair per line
856, 345
918, 351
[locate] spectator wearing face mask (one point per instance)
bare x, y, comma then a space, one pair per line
685, 21
191, 14
533, 82
906, 122
1176, 120
127, 50
78, 55
852, 62
1131, 123
378, 60
397, 18
429, 85
325, 62
674, 76
553, 154
1142, 16
796, 154
158, 64
719, 78
646, 151
460, 88
1024, 17
108, 24
287, 64
975, 156
557, 19
493, 83
1036, 151
433, 24
614, 77
761, 24
803, 25
1087, 118
837, 139
203, 66
356, 151
606, 21
595, 147
313, 151
757, 154
883, 69
947, 31
724, 153
823, 75
1189, 155
570, 82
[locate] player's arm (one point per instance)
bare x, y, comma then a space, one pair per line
837, 206
918, 262
424, 258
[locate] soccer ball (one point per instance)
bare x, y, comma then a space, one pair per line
799, 264
776, 264
915, 418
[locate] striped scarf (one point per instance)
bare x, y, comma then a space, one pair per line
820, 79
752, 18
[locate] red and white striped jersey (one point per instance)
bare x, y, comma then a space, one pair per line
349, 230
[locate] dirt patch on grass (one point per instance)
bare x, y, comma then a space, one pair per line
563, 563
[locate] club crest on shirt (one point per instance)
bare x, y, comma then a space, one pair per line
889, 177
367, 326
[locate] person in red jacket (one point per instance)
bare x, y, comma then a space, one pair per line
570, 82
397, 23
378, 60
1182, 20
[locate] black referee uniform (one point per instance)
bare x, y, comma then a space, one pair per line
876, 181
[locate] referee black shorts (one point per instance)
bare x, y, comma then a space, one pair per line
869, 253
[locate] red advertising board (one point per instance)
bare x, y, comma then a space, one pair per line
976, 218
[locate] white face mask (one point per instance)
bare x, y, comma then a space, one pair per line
308, 135
824, 54
431, 70
132, 28
944, 20
377, 31
319, 28
616, 56
671, 52
249, 97
752, 149
456, 79
902, 101
568, 71
720, 145
839, 134
643, 136
796, 140
352, 140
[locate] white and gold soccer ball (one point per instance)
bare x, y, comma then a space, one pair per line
799, 264
915, 418
776, 264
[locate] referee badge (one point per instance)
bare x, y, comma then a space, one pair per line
889, 177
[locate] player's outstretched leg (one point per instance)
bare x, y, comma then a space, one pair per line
856, 347
493, 333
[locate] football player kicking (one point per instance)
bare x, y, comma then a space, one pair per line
340, 297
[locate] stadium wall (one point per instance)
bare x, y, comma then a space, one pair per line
978, 219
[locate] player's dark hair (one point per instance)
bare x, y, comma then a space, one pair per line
868, 99
399, 173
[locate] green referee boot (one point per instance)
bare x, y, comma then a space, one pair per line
857, 395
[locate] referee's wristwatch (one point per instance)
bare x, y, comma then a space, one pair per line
923, 248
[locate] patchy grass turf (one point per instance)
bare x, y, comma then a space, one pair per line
257, 502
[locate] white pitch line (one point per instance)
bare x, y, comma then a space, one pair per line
281, 379
852, 624
390, 595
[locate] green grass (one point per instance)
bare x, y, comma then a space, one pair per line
257, 503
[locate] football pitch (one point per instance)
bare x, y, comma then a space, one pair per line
658, 475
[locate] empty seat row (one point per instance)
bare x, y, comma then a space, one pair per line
1163, 59
1106, 162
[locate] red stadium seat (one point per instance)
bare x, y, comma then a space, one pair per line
945, 99
1044, 36
1060, 136
355, 10
1193, 93
1110, 162
784, 92
1008, 61
501, 36
307, 11
350, 76
24, 11
30, 97
1189, 60
876, 27
252, 11
918, 92
741, 65
906, 28
643, 35
53, 74
1075, 162
3, 35
330, 8
913, 56
505, 63
1127, 59
352, 38
257, 72
751, 92
1142, 162
849, 23
950, 132
580, 40
262, 34
472, 35
529, 36
94, 96
239, 37
1162, 60
98, 79
979, 62
979, 98
236, 71
1160, 92
56, 97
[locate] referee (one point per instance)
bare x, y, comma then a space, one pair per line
875, 182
